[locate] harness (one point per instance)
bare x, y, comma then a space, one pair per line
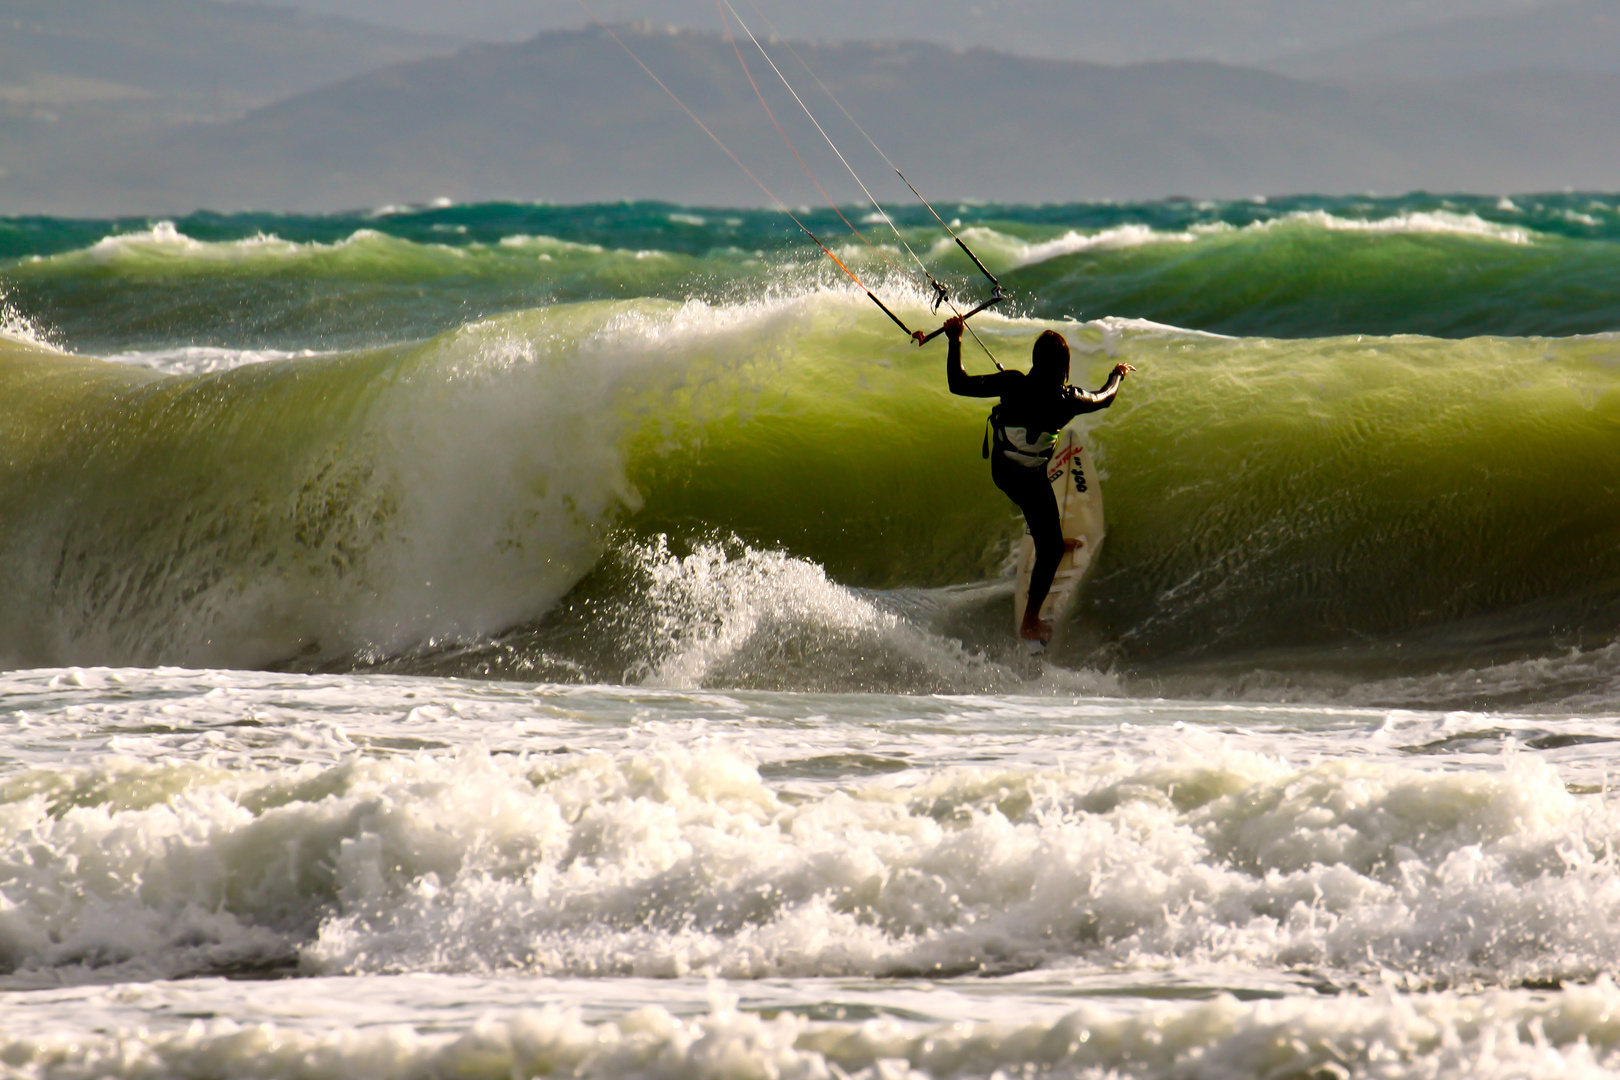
1016, 443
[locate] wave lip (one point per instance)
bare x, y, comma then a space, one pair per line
165, 239
1438, 222
204, 359
1010, 252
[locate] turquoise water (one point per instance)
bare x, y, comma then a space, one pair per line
1452, 267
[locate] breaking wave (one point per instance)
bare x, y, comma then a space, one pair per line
1267, 500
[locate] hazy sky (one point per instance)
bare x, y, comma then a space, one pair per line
1107, 30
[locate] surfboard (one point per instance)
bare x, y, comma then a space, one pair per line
1080, 511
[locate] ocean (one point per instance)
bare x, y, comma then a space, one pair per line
524, 640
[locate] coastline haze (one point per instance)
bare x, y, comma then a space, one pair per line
1232, 31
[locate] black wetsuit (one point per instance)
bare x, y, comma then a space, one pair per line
1039, 408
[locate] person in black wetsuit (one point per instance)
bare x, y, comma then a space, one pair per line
1024, 426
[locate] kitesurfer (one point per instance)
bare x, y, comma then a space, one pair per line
1024, 426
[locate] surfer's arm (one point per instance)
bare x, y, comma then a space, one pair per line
960, 382
1092, 400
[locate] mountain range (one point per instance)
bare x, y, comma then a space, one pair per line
568, 116
1580, 37
1102, 31
181, 60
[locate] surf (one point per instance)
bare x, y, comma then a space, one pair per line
1303, 268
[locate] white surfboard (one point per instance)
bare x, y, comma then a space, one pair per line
1080, 511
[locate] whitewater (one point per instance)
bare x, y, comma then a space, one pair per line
510, 640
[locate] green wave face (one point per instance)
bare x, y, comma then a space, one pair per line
1261, 494
365, 287
322, 508
1299, 280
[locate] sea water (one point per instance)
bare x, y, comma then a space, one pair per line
514, 641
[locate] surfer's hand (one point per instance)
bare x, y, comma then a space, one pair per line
953, 328
1123, 370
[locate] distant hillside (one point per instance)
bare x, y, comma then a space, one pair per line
179, 60
1102, 31
1569, 37
568, 117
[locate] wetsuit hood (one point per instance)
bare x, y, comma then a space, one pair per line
1050, 359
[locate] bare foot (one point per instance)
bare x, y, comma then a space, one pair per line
1074, 543
1035, 629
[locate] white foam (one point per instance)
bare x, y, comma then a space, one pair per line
1114, 326
549, 244
164, 234
205, 359
171, 822
165, 241
392, 209
681, 860
730, 614
16, 326
1000, 249
1492, 1037
679, 857
516, 429
165, 238
1012, 252
514, 473
1441, 222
